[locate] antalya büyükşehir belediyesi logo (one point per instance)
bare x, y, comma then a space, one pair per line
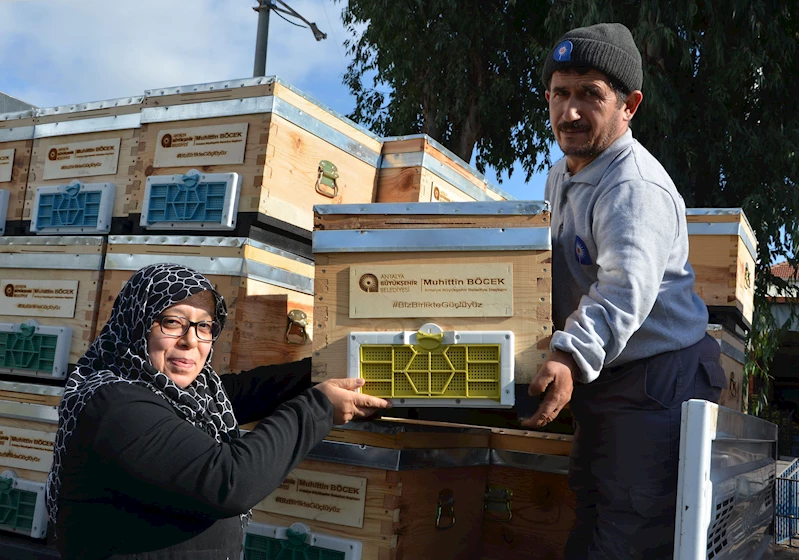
9, 290
166, 140
369, 283
52, 155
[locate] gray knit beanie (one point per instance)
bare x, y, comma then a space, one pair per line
608, 47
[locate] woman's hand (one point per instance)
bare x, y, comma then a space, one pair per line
347, 401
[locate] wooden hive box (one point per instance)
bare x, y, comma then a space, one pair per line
402, 495
733, 358
284, 151
418, 169
261, 285
16, 141
28, 422
529, 510
49, 296
723, 252
92, 146
480, 272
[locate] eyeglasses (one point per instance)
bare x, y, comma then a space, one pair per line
175, 326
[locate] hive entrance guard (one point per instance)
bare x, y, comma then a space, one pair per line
431, 367
73, 208
22, 507
194, 199
270, 542
30, 349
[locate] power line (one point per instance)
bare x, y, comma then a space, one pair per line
335, 39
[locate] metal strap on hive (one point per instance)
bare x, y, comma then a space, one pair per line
17, 132
444, 239
397, 459
488, 208
29, 411
76, 123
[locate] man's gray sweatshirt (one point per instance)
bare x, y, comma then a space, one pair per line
622, 286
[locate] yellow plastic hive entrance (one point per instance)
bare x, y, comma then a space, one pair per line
461, 371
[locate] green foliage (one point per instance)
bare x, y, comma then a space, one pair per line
462, 72
719, 111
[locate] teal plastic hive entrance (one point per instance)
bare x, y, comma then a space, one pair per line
17, 507
27, 351
67, 210
258, 547
173, 202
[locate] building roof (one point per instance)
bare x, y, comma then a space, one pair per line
784, 270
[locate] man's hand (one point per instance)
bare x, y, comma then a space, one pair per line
347, 401
555, 377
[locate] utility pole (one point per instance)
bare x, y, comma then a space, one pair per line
262, 39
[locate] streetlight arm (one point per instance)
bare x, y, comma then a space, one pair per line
286, 9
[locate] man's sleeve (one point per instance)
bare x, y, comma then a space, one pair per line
635, 226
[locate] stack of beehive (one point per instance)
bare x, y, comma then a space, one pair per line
220, 177
723, 252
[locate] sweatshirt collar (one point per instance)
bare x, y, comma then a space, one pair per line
594, 171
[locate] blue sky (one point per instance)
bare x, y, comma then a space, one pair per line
57, 52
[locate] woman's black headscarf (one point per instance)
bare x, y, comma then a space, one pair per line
119, 355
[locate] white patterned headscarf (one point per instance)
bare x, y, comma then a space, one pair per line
119, 355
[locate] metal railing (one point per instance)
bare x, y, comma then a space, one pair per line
787, 510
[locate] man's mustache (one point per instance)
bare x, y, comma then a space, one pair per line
576, 126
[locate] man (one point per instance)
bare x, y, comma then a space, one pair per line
629, 344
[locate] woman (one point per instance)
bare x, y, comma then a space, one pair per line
149, 462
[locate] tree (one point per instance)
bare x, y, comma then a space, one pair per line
719, 111
463, 72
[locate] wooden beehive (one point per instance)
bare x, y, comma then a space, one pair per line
91, 143
56, 282
529, 509
419, 169
723, 251
415, 499
398, 248
28, 422
288, 151
733, 358
16, 141
261, 285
